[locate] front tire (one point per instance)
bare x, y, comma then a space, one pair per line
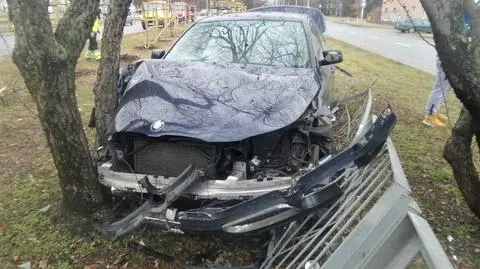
411, 30
143, 25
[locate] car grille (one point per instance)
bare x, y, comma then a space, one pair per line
156, 157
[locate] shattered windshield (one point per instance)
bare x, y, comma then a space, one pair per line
274, 43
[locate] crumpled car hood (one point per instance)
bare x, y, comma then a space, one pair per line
212, 102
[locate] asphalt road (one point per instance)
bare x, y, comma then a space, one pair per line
405, 48
7, 40
408, 49
6, 44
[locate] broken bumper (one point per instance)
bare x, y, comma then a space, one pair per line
317, 189
212, 189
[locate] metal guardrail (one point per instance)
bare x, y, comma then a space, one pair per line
392, 234
376, 224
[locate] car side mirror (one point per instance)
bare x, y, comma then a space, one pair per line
331, 57
157, 54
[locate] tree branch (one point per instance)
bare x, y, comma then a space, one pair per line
471, 9
32, 23
460, 60
104, 89
458, 153
75, 26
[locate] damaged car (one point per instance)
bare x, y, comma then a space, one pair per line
231, 129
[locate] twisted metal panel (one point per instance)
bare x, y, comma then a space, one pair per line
313, 239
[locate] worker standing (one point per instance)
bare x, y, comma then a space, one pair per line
93, 49
440, 90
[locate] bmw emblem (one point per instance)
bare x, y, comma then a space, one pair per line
157, 125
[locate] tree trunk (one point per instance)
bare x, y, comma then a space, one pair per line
105, 94
461, 62
47, 62
460, 58
458, 153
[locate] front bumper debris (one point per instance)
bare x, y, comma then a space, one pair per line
266, 211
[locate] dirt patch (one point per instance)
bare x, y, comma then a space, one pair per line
83, 72
128, 58
143, 47
455, 225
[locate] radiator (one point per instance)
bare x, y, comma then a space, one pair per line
161, 158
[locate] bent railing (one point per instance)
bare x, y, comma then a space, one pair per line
376, 224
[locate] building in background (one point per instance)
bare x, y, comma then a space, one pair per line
394, 10
379, 11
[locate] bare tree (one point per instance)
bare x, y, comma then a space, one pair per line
460, 59
372, 4
47, 60
104, 89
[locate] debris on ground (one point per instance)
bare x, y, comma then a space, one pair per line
150, 252
83, 72
449, 238
94, 266
128, 58
27, 265
223, 266
42, 265
45, 208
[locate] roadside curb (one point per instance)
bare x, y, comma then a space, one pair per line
371, 25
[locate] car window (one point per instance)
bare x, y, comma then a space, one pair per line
317, 40
262, 42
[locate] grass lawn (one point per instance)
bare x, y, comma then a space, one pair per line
28, 182
5, 25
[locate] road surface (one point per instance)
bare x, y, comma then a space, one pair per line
407, 49
404, 48
7, 40
6, 44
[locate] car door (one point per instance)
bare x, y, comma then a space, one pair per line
324, 74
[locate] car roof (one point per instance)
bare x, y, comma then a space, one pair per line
273, 16
313, 13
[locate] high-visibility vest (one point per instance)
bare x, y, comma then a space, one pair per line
96, 26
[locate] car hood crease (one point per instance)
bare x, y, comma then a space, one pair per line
212, 102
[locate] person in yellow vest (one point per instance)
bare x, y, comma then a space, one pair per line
93, 50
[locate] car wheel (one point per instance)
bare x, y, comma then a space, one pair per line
143, 26
403, 31
411, 30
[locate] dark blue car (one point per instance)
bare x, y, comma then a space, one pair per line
232, 129
241, 102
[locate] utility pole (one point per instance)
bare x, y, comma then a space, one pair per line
363, 4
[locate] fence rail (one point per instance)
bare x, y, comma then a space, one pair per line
376, 224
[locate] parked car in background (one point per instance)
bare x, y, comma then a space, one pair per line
203, 13
415, 25
213, 12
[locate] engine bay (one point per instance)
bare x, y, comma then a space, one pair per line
284, 152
